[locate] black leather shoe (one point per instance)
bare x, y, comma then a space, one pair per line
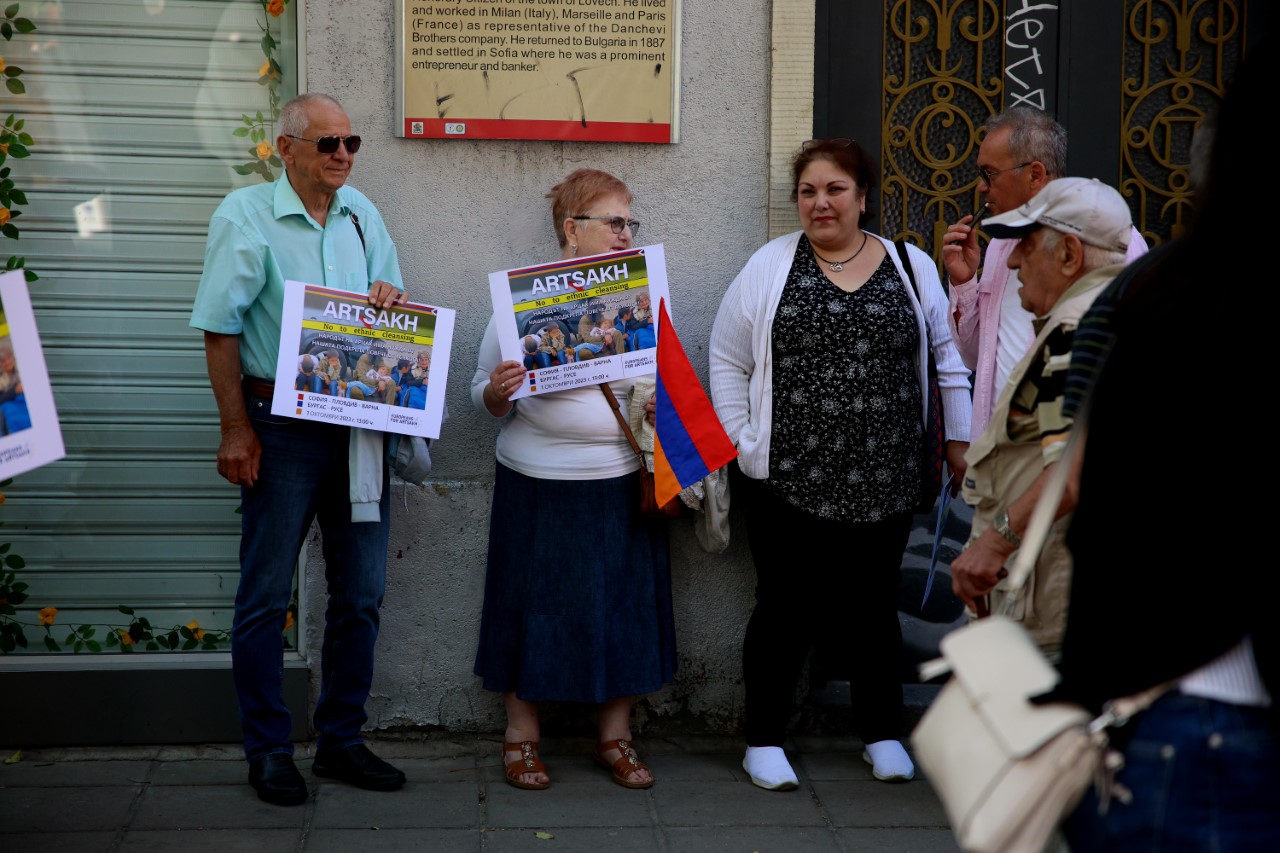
277, 780
357, 765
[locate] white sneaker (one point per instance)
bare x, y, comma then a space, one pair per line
889, 761
769, 769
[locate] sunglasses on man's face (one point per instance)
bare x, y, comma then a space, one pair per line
329, 144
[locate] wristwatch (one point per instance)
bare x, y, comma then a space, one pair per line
1001, 525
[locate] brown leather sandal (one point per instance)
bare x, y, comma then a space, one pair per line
528, 762
626, 764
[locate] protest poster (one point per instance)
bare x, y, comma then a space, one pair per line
29, 432
581, 321
344, 361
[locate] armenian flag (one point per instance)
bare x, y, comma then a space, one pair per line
689, 442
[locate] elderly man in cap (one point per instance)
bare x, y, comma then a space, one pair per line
1074, 236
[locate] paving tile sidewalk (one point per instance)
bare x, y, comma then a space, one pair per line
195, 798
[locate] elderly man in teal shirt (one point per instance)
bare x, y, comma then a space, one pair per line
308, 226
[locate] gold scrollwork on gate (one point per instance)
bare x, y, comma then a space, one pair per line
1177, 58
942, 79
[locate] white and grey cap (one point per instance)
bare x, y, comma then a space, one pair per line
1085, 207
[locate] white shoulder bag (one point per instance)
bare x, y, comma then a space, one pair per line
1008, 771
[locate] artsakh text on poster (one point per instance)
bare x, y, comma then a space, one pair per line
589, 70
344, 361
581, 321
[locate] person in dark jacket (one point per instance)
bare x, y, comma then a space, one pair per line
1158, 602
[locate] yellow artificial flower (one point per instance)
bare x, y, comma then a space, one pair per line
275, 8
265, 69
1, 63
126, 639
47, 615
4, 148
196, 630
288, 619
4, 216
265, 150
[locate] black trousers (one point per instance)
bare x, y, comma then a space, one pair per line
821, 582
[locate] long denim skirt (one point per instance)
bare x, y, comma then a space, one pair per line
577, 600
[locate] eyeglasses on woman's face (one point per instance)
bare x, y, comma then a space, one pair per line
616, 223
833, 142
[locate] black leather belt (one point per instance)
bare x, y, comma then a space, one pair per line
256, 387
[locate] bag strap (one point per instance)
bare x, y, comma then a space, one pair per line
622, 422
901, 246
906, 265
355, 220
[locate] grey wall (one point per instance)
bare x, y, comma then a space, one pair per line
459, 210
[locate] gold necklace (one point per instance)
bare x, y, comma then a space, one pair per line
836, 266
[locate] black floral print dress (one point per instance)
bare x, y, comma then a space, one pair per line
847, 430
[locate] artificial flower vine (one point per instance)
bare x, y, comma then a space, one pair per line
260, 128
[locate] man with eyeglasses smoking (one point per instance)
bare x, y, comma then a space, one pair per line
1022, 150
306, 226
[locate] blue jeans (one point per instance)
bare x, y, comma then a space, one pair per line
308, 382
303, 475
1205, 776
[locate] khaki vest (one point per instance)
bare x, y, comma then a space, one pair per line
1001, 470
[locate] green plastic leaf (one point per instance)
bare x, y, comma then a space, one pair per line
30, 276
17, 597
268, 44
145, 623
189, 645
51, 645
17, 125
543, 836
7, 643
274, 161
9, 231
83, 629
19, 197
10, 11
127, 611
19, 587
79, 646
26, 139
24, 26
15, 86
240, 131
260, 117
243, 170
20, 637
88, 631
173, 639
6, 31
12, 71
71, 638
128, 650
17, 151
7, 610
112, 640
14, 561
94, 646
